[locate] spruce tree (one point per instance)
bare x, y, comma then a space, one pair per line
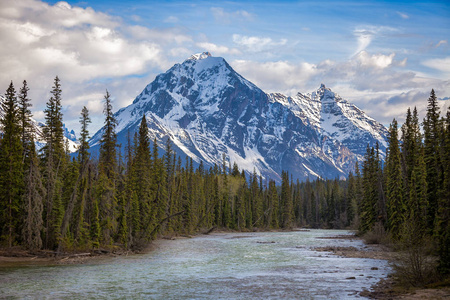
53, 159
106, 184
33, 197
26, 127
286, 201
83, 149
432, 129
394, 192
108, 143
11, 168
442, 230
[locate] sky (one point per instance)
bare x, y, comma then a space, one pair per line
383, 56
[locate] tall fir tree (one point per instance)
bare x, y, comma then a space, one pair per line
53, 159
83, 148
106, 184
432, 129
11, 168
26, 127
394, 183
108, 143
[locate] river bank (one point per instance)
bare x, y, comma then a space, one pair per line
236, 265
387, 288
345, 245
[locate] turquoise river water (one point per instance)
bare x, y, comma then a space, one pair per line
263, 265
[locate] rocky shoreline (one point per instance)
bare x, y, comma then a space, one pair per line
386, 288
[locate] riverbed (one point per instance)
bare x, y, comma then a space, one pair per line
260, 265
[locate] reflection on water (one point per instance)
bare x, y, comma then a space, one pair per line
218, 266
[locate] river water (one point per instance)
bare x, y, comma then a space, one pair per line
263, 265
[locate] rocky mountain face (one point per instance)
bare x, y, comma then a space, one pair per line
207, 110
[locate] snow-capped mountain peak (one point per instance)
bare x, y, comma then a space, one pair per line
199, 56
207, 110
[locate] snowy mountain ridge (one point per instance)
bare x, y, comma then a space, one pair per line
207, 109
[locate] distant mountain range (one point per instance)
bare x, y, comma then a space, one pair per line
207, 110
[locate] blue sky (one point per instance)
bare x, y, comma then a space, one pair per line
384, 56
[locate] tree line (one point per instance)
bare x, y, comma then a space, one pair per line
409, 195
125, 199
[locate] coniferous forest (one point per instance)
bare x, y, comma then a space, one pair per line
49, 200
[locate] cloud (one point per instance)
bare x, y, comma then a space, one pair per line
440, 43
280, 76
256, 44
222, 16
218, 50
366, 34
87, 49
171, 19
378, 61
440, 64
403, 15
363, 72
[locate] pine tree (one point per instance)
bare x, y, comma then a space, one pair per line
432, 129
11, 168
83, 149
108, 159
273, 205
369, 201
286, 201
442, 230
394, 192
26, 126
33, 200
53, 160
142, 178
106, 184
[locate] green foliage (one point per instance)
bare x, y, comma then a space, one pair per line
11, 168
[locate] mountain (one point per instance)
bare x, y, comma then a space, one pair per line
69, 136
207, 109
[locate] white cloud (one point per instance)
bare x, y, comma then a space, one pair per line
379, 61
171, 19
366, 34
256, 44
217, 49
225, 17
403, 15
440, 43
80, 45
440, 64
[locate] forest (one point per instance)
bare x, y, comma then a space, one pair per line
52, 200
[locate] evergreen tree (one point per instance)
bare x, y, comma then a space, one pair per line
286, 201
442, 230
432, 129
33, 200
54, 164
83, 149
108, 155
369, 201
25, 124
11, 168
106, 183
395, 199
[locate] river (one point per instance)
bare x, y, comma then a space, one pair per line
262, 265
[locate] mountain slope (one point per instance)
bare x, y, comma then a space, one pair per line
208, 109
